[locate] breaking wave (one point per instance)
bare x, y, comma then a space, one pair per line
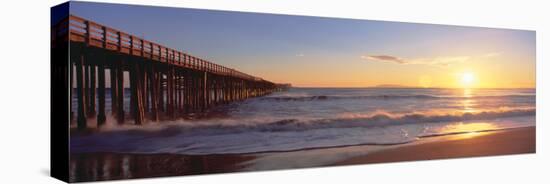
384, 119
377, 119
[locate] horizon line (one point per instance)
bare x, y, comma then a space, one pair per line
413, 87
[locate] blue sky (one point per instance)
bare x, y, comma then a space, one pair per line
314, 51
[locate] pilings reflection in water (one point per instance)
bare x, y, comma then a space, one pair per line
112, 166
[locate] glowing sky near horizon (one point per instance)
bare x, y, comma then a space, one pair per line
329, 52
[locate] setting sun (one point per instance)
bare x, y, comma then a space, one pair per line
467, 79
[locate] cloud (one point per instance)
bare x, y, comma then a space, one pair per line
436, 61
384, 58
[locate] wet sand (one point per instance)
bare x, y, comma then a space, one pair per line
112, 166
513, 141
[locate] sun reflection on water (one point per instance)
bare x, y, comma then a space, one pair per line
467, 135
467, 92
468, 106
468, 103
467, 130
468, 127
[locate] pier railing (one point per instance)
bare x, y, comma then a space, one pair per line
97, 35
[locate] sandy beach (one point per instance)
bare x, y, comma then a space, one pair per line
108, 166
513, 141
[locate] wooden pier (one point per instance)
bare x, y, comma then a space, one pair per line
164, 82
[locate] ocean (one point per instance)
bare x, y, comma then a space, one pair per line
308, 118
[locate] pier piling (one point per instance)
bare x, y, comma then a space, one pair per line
163, 83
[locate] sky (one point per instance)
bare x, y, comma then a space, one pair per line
333, 52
